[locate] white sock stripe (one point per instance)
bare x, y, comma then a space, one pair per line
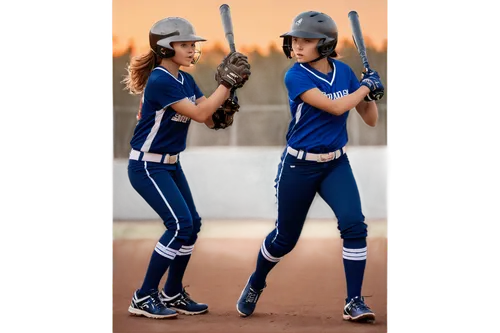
185, 252
166, 249
344, 253
187, 247
354, 250
354, 258
164, 254
267, 255
263, 247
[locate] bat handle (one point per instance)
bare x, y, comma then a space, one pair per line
232, 93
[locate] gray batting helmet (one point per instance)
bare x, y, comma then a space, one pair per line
168, 30
313, 25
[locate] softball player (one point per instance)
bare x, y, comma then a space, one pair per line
170, 100
321, 92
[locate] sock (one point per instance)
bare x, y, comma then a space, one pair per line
161, 258
354, 256
265, 263
173, 286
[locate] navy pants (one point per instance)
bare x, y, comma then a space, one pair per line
165, 189
297, 183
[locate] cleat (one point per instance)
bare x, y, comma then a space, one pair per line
183, 303
150, 306
357, 310
248, 300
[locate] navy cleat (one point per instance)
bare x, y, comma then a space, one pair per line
183, 303
357, 310
150, 306
248, 300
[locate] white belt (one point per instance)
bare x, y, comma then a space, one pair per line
152, 157
316, 157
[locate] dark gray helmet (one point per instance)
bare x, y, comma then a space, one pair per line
168, 30
313, 24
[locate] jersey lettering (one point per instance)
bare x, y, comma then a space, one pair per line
337, 94
179, 117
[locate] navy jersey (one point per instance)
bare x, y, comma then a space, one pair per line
160, 129
312, 129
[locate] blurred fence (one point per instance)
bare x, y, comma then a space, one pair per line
254, 125
246, 154
264, 115
238, 183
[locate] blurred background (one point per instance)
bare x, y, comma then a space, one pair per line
239, 163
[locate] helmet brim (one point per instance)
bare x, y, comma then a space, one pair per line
181, 38
303, 34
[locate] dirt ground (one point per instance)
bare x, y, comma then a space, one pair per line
305, 292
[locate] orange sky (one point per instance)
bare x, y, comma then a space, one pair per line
256, 22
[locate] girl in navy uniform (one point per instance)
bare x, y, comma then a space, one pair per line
171, 99
321, 92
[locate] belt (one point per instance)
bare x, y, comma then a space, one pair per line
152, 157
302, 155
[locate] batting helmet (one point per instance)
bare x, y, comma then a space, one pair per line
168, 30
313, 25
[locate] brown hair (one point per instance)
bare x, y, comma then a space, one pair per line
138, 72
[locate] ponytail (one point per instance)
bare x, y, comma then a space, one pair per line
138, 72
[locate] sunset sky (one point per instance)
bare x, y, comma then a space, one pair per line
256, 22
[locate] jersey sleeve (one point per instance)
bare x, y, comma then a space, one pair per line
297, 83
166, 91
353, 82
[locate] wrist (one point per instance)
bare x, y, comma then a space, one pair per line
226, 85
364, 89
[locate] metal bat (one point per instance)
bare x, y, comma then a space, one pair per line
357, 36
227, 24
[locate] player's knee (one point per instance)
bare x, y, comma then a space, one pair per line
194, 233
282, 245
354, 230
196, 225
185, 229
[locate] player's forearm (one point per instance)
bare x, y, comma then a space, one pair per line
209, 122
209, 105
342, 105
368, 112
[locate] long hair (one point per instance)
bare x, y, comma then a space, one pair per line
138, 72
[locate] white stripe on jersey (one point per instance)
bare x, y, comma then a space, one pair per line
298, 113
163, 69
154, 130
333, 76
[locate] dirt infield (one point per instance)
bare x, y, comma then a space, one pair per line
305, 291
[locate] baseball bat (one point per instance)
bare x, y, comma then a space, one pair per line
357, 36
227, 24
